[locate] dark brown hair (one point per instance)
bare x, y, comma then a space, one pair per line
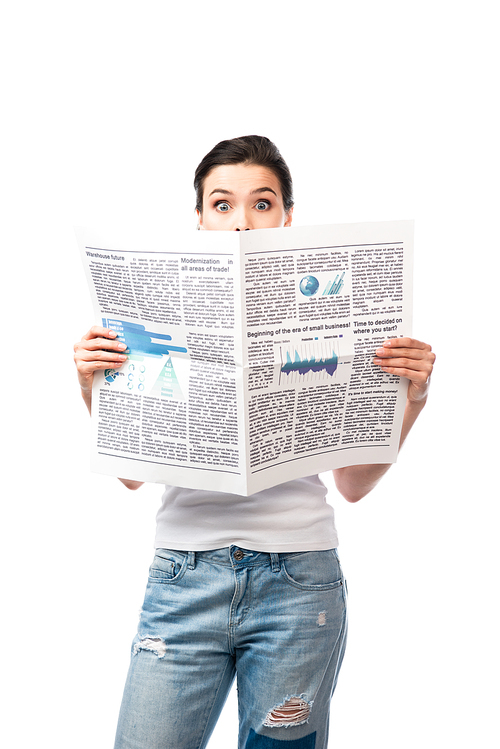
249, 149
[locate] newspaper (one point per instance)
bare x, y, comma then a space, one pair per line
249, 353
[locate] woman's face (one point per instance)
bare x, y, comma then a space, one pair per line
237, 197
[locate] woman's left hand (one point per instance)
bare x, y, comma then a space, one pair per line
407, 357
404, 357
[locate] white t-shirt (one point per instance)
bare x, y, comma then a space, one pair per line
293, 516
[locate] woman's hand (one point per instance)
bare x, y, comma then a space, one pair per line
97, 350
407, 357
404, 357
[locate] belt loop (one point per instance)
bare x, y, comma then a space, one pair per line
275, 562
191, 560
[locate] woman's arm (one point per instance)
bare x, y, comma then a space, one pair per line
131, 484
405, 357
97, 350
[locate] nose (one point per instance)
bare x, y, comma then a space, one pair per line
242, 221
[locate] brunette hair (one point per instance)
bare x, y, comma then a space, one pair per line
249, 149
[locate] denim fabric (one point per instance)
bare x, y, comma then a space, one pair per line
277, 621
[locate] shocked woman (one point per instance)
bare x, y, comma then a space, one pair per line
244, 586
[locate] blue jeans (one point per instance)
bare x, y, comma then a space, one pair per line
277, 621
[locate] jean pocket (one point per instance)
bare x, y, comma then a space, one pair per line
312, 570
168, 566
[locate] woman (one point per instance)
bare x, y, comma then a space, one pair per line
250, 586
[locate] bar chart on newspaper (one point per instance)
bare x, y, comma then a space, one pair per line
149, 369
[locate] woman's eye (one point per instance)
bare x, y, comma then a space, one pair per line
222, 206
262, 205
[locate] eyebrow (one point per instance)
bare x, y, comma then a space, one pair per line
254, 192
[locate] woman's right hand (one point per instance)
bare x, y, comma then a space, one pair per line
97, 350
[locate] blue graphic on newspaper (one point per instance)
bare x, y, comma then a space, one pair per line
303, 365
334, 287
140, 340
149, 369
309, 285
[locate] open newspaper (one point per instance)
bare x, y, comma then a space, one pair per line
249, 353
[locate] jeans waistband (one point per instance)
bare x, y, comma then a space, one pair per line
234, 556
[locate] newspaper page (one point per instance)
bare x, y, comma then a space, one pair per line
318, 302
249, 354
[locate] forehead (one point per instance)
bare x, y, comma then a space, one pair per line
240, 179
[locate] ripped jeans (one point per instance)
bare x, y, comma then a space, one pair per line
277, 621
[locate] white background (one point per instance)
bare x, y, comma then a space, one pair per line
383, 110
